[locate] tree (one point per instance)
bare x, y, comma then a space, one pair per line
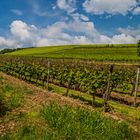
138, 48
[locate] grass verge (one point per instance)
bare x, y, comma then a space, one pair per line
82, 124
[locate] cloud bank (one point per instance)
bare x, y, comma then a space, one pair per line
60, 33
113, 7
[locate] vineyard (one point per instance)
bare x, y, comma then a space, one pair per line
84, 76
69, 70
110, 88
31, 113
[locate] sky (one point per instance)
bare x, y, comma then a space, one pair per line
30, 23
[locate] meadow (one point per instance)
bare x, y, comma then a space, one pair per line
86, 52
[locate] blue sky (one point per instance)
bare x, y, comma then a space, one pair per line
26, 23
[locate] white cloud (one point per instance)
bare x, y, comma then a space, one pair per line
17, 12
67, 5
130, 31
84, 18
60, 33
77, 16
138, 37
131, 34
84, 28
123, 39
118, 39
6, 42
105, 39
20, 30
136, 11
24, 34
39, 10
113, 7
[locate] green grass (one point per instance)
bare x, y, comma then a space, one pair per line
11, 96
91, 52
72, 124
57, 122
44, 51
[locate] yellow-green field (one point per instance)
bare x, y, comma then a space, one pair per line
91, 52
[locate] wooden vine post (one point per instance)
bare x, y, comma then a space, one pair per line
69, 84
136, 86
108, 92
48, 76
68, 88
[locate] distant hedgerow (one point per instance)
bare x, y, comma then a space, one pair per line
138, 48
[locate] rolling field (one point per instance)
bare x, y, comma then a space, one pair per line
88, 52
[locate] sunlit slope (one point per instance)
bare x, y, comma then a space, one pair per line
41, 50
94, 52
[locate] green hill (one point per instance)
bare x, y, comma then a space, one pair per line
92, 52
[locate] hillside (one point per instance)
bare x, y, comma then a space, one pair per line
90, 52
73, 99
